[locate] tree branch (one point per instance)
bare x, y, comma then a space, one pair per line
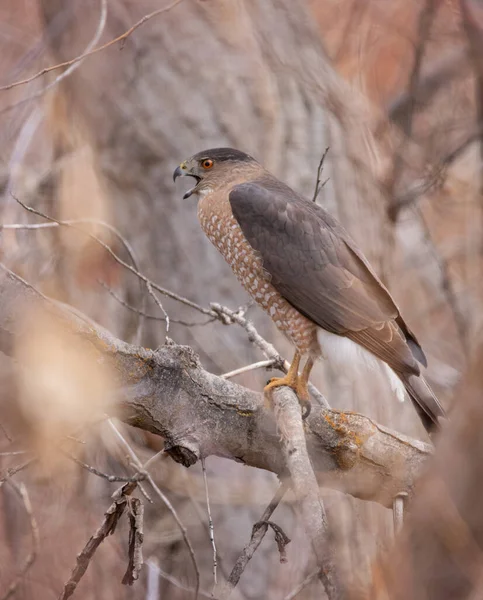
305, 486
167, 392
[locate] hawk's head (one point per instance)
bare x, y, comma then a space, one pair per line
212, 167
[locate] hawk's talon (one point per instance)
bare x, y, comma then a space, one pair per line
306, 408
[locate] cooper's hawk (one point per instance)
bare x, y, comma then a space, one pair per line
303, 268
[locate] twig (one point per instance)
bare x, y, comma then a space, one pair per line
153, 317
281, 538
13, 470
159, 304
94, 471
446, 283
107, 527
426, 18
474, 35
163, 498
258, 533
23, 493
304, 485
318, 187
124, 264
91, 52
5, 433
153, 458
227, 316
127, 246
258, 365
13, 453
210, 521
296, 591
398, 511
175, 581
72, 67
434, 178
136, 538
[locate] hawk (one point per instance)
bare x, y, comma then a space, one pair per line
303, 268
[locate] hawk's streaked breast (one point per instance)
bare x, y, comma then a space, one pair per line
222, 229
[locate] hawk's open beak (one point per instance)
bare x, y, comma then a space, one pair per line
182, 172
178, 172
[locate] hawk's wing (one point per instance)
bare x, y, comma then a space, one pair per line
316, 266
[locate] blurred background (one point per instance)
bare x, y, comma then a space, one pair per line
394, 90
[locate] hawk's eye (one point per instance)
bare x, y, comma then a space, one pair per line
207, 163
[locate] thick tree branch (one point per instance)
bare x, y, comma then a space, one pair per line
305, 487
199, 414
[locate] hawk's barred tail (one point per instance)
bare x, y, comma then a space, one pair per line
425, 402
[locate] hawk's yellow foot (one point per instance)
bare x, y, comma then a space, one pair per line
296, 382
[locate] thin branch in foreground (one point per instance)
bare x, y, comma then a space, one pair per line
13, 470
426, 18
126, 245
137, 463
106, 476
22, 492
258, 365
296, 591
258, 533
305, 486
119, 260
77, 59
108, 526
72, 67
152, 563
318, 185
210, 521
140, 312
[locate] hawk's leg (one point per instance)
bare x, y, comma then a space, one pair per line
292, 380
302, 388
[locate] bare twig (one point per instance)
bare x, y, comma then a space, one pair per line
108, 249
426, 18
296, 591
281, 538
258, 365
108, 526
91, 51
474, 35
13, 470
94, 471
136, 538
72, 67
154, 458
210, 521
158, 303
227, 316
258, 533
398, 511
29, 561
153, 317
175, 581
434, 177
446, 282
318, 186
127, 246
163, 498
304, 485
